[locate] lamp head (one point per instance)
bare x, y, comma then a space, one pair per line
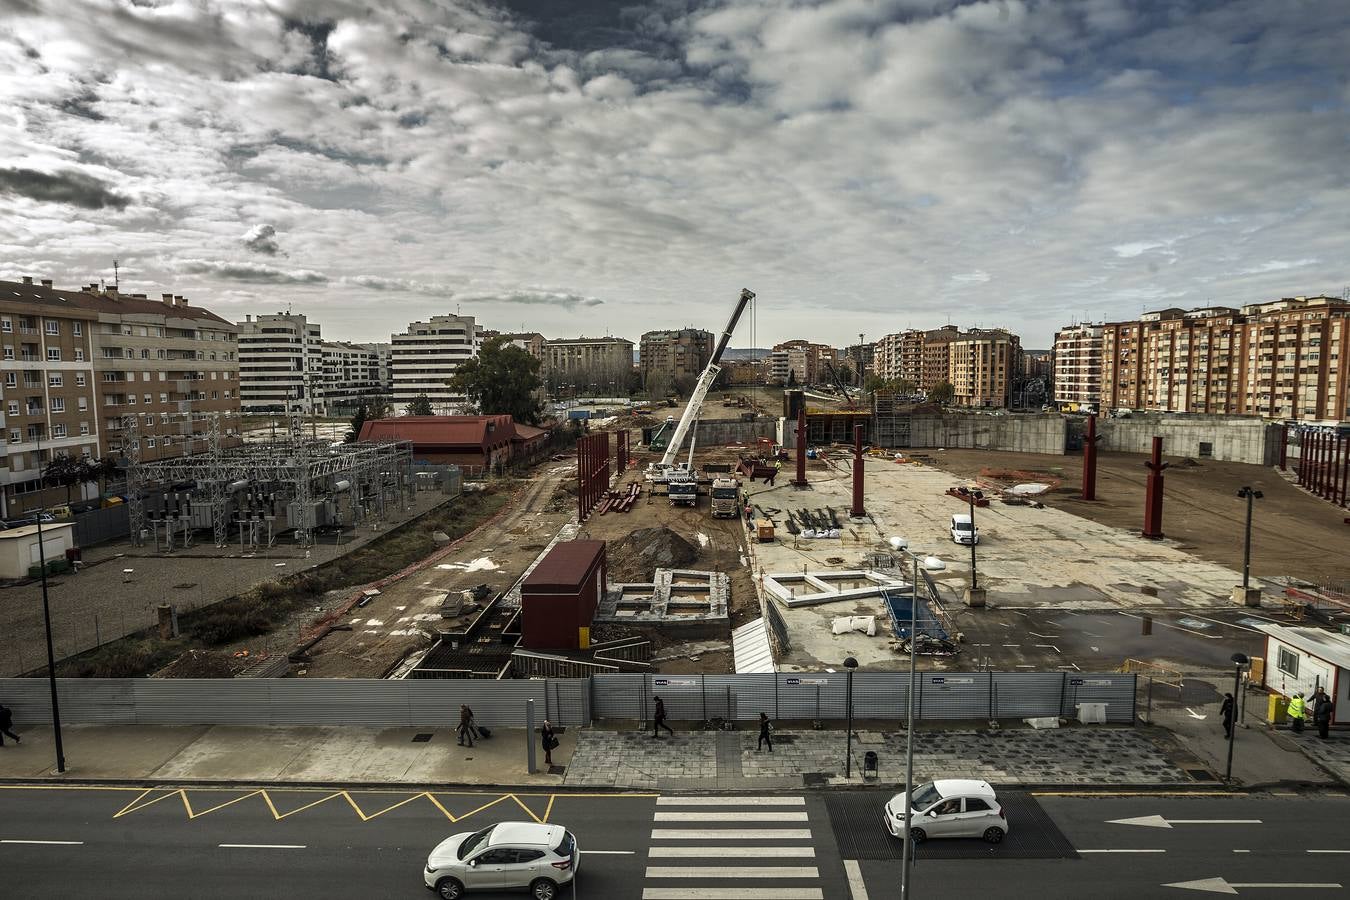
1240, 659
850, 663
934, 564
899, 543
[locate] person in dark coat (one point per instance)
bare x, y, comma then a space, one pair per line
765, 733
549, 741
7, 725
1226, 710
659, 719
465, 729
1321, 712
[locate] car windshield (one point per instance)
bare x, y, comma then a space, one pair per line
474, 841
962, 526
925, 795
724, 493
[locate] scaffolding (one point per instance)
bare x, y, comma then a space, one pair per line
262, 489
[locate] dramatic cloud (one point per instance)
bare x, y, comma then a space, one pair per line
261, 239
70, 188
863, 165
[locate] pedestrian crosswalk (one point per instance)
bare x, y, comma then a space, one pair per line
695, 839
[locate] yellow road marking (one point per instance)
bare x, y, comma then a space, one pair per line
548, 810
133, 802
137, 806
281, 816
193, 815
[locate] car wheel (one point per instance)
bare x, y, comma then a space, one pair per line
918, 834
543, 889
993, 834
449, 889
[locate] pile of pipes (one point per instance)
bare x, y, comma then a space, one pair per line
619, 501
810, 524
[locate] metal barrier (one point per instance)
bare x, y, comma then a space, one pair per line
98, 525
1150, 670
572, 701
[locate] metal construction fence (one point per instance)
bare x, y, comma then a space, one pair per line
99, 525
570, 701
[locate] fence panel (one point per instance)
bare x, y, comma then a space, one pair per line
881, 695
495, 703
809, 695
99, 525
1117, 691
1023, 695
92, 701
568, 701
953, 696
620, 697
205, 701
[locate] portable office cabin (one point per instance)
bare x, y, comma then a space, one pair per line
19, 546
558, 599
1302, 659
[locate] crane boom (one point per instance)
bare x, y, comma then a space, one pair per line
705, 381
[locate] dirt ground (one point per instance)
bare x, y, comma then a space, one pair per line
1293, 533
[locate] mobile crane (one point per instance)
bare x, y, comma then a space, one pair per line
667, 470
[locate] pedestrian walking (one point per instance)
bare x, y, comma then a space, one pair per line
1321, 712
765, 733
659, 719
7, 725
1226, 710
1296, 711
465, 730
749, 514
549, 741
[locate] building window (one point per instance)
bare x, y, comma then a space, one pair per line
54, 354
51, 326
58, 430
9, 353
79, 379
84, 428
1288, 662
79, 354
58, 404
15, 436
150, 443
77, 328
163, 398
7, 326
54, 381
147, 399
83, 403
13, 407
11, 380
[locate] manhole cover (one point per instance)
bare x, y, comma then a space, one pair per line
557, 770
421, 738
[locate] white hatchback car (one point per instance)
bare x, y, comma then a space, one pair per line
949, 807
502, 856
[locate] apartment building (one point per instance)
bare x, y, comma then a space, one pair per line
532, 342
1283, 359
609, 358
675, 354
981, 367
425, 357
351, 375
779, 366
806, 362
1078, 364
384, 365
281, 364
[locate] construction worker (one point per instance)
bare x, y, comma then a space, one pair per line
777, 467
1296, 713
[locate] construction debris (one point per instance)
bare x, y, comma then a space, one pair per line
619, 501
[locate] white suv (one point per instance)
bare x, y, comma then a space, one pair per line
506, 855
950, 807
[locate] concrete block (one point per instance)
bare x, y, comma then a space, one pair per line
1247, 596
975, 598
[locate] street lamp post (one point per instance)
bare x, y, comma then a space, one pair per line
932, 564
1239, 661
972, 496
849, 665
47, 623
1250, 495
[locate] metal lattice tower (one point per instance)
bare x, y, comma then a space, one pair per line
131, 449
217, 488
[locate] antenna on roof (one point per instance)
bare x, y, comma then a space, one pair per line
117, 280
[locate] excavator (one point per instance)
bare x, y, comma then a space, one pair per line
667, 470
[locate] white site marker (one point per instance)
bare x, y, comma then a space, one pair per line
703, 893
262, 846
857, 888
53, 843
1122, 851
666, 800
1160, 822
1221, 886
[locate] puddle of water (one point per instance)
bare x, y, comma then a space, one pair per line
481, 564
1197, 624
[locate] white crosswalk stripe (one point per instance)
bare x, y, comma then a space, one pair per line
692, 842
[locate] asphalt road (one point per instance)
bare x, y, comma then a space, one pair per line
59, 842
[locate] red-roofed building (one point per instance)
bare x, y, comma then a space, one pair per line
468, 441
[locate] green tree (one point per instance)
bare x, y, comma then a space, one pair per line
421, 406
69, 471
941, 393
904, 386
502, 379
357, 421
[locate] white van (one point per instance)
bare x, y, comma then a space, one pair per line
962, 531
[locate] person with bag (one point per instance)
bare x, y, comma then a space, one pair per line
1321, 712
7, 724
765, 733
465, 729
549, 741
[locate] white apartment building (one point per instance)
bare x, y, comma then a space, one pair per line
280, 364
384, 365
351, 373
425, 357
1078, 364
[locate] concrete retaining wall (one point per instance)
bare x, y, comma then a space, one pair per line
1242, 439
720, 432
1019, 434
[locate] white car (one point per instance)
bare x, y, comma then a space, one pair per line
950, 807
963, 532
502, 856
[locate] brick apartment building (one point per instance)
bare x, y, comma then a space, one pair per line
675, 354
1078, 364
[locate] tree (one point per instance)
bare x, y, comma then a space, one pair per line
357, 421
69, 471
792, 378
941, 393
421, 406
502, 380
904, 386
377, 406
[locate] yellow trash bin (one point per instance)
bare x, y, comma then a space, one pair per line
1278, 712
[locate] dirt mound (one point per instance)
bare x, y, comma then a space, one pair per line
636, 556
200, 664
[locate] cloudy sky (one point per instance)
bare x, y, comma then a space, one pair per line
613, 166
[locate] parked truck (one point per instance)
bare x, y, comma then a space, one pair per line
683, 491
726, 497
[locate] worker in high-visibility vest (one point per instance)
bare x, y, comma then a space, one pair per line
1296, 712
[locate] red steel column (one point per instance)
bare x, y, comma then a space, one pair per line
1302, 456
1153, 494
800, 480
1090, 460
857, 511
1320, 465
1284, 447
1345, 471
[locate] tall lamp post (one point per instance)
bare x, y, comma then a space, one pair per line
931, 564
1250, 495
849, 665
1239, 662
47, 622
971, 496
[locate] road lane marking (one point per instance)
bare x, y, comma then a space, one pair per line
730, 801
730, 851
730, 817
56, 843
262, 846
1123, 851
1221, 885
1160, 822
1329, 851
733, 872
609, 852
756, 893
857, 888
724, 834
